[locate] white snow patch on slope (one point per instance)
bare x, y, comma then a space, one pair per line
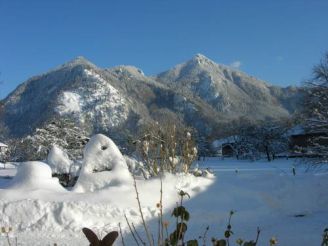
95, 100
105, 103
69, 102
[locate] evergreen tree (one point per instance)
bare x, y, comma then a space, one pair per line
61, 132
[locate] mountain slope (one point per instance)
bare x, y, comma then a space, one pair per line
119, 100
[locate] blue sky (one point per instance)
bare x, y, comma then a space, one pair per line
276, 40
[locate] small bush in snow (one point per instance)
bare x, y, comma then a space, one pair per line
62, 167
165, 148
228, 234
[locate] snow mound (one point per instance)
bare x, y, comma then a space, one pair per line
58, 160
35, 175
103, 165
59, 216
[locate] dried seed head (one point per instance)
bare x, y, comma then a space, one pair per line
239, 241
166, 223
273, 241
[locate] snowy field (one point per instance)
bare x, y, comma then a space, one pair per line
294, 209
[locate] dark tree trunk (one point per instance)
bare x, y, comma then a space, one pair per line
267, 153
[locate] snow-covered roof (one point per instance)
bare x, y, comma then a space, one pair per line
219, 142
3, 145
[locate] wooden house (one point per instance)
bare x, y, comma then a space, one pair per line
300, 139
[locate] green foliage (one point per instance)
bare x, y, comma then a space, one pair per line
181, 212
220, 242
192, 243
228, 234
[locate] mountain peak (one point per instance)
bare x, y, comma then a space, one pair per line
201, 57
79, 60
201, 60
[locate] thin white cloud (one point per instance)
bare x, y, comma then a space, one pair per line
236, 64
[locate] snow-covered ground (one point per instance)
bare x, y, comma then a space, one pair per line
294, 209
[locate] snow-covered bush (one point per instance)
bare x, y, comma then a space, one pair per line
35, 175
103, 165
62, 167
59, 161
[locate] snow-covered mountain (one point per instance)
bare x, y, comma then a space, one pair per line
118, 100
231, 91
